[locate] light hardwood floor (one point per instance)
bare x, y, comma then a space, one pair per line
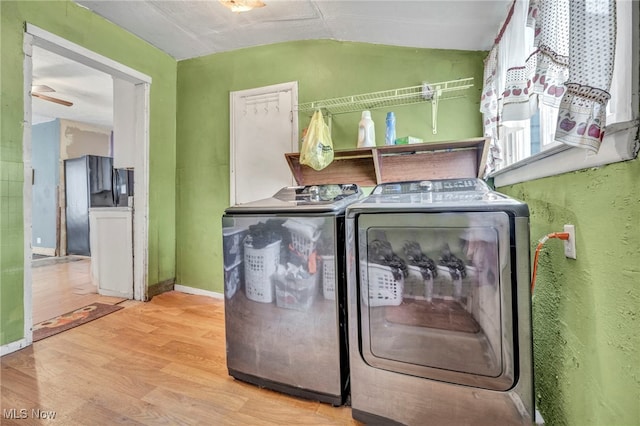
61, 285
160, 362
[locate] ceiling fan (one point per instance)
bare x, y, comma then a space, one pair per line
38, 90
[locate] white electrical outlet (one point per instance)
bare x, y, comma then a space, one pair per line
570, 244
38, 240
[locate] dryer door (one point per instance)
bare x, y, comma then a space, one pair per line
436, 296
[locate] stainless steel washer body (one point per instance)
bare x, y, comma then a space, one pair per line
285, 291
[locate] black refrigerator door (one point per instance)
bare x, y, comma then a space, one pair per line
101, 182
122, 187
88, 183
77, 205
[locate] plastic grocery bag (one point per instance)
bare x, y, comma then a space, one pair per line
317, 148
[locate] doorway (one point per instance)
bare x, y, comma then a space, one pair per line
264, 126
76, 271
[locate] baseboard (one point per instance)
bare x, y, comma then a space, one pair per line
161, 287
44, 251
198, 291
13, 346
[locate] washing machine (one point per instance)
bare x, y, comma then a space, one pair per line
285, 291
439, 305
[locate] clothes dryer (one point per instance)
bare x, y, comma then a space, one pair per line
439, 305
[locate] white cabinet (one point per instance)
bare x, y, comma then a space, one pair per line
111, 239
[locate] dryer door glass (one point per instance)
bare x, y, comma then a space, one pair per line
435, 296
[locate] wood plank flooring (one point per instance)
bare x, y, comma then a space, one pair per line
62, 285
154, 363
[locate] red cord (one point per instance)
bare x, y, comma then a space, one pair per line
559, 235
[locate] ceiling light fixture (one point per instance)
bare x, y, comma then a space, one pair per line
242, 5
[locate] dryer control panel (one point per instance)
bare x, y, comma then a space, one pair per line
440, 185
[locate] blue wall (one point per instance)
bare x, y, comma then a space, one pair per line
45, 155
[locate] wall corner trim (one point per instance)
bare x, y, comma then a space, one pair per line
197, 291
13, 346
159, 288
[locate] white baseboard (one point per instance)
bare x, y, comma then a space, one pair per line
197, 291
44, 251
13, 346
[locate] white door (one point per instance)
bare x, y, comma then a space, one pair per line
264, 126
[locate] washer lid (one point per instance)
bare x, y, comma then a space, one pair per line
311, 198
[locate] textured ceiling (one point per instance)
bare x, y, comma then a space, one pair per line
191, 28
186, 29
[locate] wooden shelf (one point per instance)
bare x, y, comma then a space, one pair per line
395, 163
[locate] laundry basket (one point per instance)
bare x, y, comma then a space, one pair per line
296, 293
379, 287
232, 279
304, 235
329, 277
259, 265
302, 245
232, 239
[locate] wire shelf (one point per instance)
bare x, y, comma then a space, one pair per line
427, 92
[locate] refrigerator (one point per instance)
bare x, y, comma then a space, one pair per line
91, 181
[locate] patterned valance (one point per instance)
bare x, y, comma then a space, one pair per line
560, 53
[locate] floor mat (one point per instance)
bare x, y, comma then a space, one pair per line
72, 319
439, 313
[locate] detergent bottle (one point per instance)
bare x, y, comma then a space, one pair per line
366, 131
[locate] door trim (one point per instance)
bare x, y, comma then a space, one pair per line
70, 50
235, 97
35, 36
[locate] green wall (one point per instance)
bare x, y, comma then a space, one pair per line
587, 311
82, 27
323, 69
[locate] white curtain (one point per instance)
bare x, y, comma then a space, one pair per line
569, 64
550, 20
489, 109
493, 86
592, 45
517, 62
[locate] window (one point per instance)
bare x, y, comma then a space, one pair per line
528, 146
522, 139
